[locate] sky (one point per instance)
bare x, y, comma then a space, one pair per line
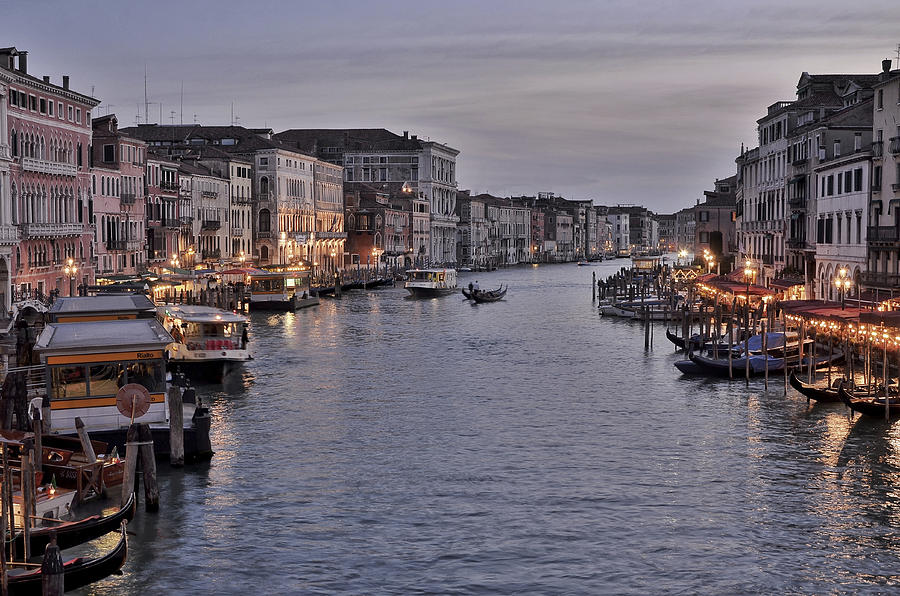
620, 102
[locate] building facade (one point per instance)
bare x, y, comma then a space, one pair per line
49, 132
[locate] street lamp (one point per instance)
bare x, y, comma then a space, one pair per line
333, 264
842, 282
71, 270
748, 274
682, 256
242, 257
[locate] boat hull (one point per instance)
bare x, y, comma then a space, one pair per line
206, 371
419, 292
821, 394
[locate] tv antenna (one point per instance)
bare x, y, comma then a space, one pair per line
172, 117
898, 55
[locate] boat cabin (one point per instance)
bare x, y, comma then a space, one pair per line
88, 362
113, 307
279, 290
204, 327
439, 277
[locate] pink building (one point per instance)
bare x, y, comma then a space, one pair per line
163, 223
49, 128
120, 205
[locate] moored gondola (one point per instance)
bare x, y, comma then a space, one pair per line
69, 534
870, 404
78, 572
718, 367
817, 392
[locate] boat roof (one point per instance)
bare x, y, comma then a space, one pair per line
201, 314
440, 270
97, 337
108, 304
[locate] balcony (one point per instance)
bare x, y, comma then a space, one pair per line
330, 235
895, 187
882, 234
156, 255
168, 185
879, 280
797, 202
209, 255
49, 230
112, 245
799, 162
4, 150
895, 146
127, 198
209, 194
186, 220
134, 245
267, 234
31, 164
237, 232
877, 149
172, 223
9, 234
797, 244
210, 225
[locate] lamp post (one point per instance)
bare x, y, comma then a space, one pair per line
748, 273
375, 262
334, 266
71, 270
842, 282
682, 256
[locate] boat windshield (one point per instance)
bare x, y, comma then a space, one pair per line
267, 284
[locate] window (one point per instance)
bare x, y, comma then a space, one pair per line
857, 141
876, 178
50, 107
857, 179
32, 103
704, 237
880, 103
704, 216
840, 183
59, 111
70, 112
830, 185
837, 148
263, 161
109, 153
78, 115
43, 106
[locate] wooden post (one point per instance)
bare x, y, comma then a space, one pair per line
830, 356
52, 574
884, 374
8, 502
593, 285
45, 413
730, 333
176, 427
131, 457
747, 343
4, 583
784, 355
148, 465
37, 427
646, 328
85, 439
27, 495
765, 350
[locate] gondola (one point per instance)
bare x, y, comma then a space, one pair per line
467, 294
480, 296
869, 404
78, 572
816, 392
73, 533
678, 341
719, 366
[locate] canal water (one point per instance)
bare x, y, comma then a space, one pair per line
382, 445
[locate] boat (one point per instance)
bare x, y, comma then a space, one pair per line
208, 342
64, 460
719, 366
583, 263
428, 283
818, 392
871, 404
282, 289
73, 533
689, 367
88, 365
467, 294
78, 572
480, 296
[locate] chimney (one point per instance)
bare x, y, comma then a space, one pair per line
886, 65
415, 138
23, 62
65, 81
47, 79
405, 134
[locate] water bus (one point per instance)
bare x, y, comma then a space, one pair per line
208, 342
286, 289
431, 282
87, 364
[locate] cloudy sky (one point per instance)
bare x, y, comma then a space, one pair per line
621, 102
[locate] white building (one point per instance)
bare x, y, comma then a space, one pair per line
843, 193
621, 231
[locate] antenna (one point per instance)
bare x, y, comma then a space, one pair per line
182, 103
146, 103
172, 117
898, 55
232, 113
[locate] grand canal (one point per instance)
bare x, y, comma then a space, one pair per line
381, 445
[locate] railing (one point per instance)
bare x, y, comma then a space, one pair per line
237, 231
210, 224
186, 220
9, 233
112, 245
167, 185
895, 187
35, 263
884, 280
330, 235
43, 166
799, 162
895, 145
128, 198
877, 149
52, 229
211, 254
4, 151
266, 234
19, 295
881, 234
171, 223
134, 245
209, 194
796, 243
799, 202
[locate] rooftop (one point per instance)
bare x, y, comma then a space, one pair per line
102, 336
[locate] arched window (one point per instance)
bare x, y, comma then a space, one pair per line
264, 187
265, 223
264, 253
14, 147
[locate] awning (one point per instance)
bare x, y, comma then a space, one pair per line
783, 283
